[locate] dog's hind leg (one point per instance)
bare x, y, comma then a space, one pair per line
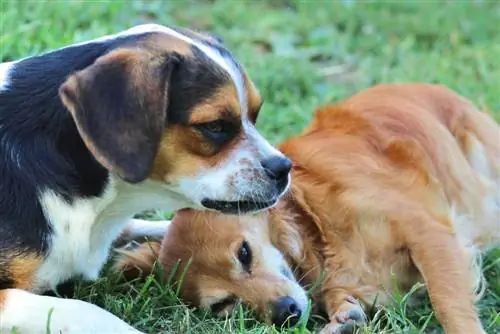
24, 312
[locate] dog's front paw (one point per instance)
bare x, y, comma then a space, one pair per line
349, 317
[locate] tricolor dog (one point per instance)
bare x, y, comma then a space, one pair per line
395, 185
93, 133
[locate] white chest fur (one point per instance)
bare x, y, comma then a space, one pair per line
84, 230
80, 241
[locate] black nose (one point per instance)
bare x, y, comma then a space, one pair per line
286, 310
277, 167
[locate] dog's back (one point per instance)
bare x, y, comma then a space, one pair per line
401, 180
456, 158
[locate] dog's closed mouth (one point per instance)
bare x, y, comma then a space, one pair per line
235, 207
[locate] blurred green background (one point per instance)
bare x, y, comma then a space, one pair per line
300, 54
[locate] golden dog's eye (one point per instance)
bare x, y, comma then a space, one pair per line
245, 255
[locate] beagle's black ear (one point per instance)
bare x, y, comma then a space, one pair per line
119, 105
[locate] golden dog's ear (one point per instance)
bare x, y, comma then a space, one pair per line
119, 105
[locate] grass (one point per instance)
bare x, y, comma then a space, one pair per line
300, 54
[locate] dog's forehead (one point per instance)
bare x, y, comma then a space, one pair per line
218, 65
225, 60
207, 50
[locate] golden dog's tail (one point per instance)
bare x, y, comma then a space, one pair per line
137, 260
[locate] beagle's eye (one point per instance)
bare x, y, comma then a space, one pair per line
217, 131
215, 126
245, 255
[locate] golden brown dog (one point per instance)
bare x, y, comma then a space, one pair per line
397, 181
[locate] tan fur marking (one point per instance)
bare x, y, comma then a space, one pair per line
178, 154
223, 101
23, 270
254, 99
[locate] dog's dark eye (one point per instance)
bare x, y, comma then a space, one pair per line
245, 255
217, 131
216, 126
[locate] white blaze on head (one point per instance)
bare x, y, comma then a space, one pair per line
232, 69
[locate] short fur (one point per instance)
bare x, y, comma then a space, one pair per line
93, 133
395, 185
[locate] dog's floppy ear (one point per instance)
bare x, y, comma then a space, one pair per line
119, 105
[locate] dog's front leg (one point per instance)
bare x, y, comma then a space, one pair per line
25, 312
344, 311
338, 291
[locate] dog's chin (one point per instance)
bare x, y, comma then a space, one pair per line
246, 205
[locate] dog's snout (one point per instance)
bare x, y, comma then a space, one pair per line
286, 311
277, 167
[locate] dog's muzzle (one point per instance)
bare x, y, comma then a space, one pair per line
277, 170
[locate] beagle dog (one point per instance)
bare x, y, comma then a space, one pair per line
95, 132
395, 185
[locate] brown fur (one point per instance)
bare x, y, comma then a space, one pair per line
254, 99
223, 104
397, 181
20, 268
23, 269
